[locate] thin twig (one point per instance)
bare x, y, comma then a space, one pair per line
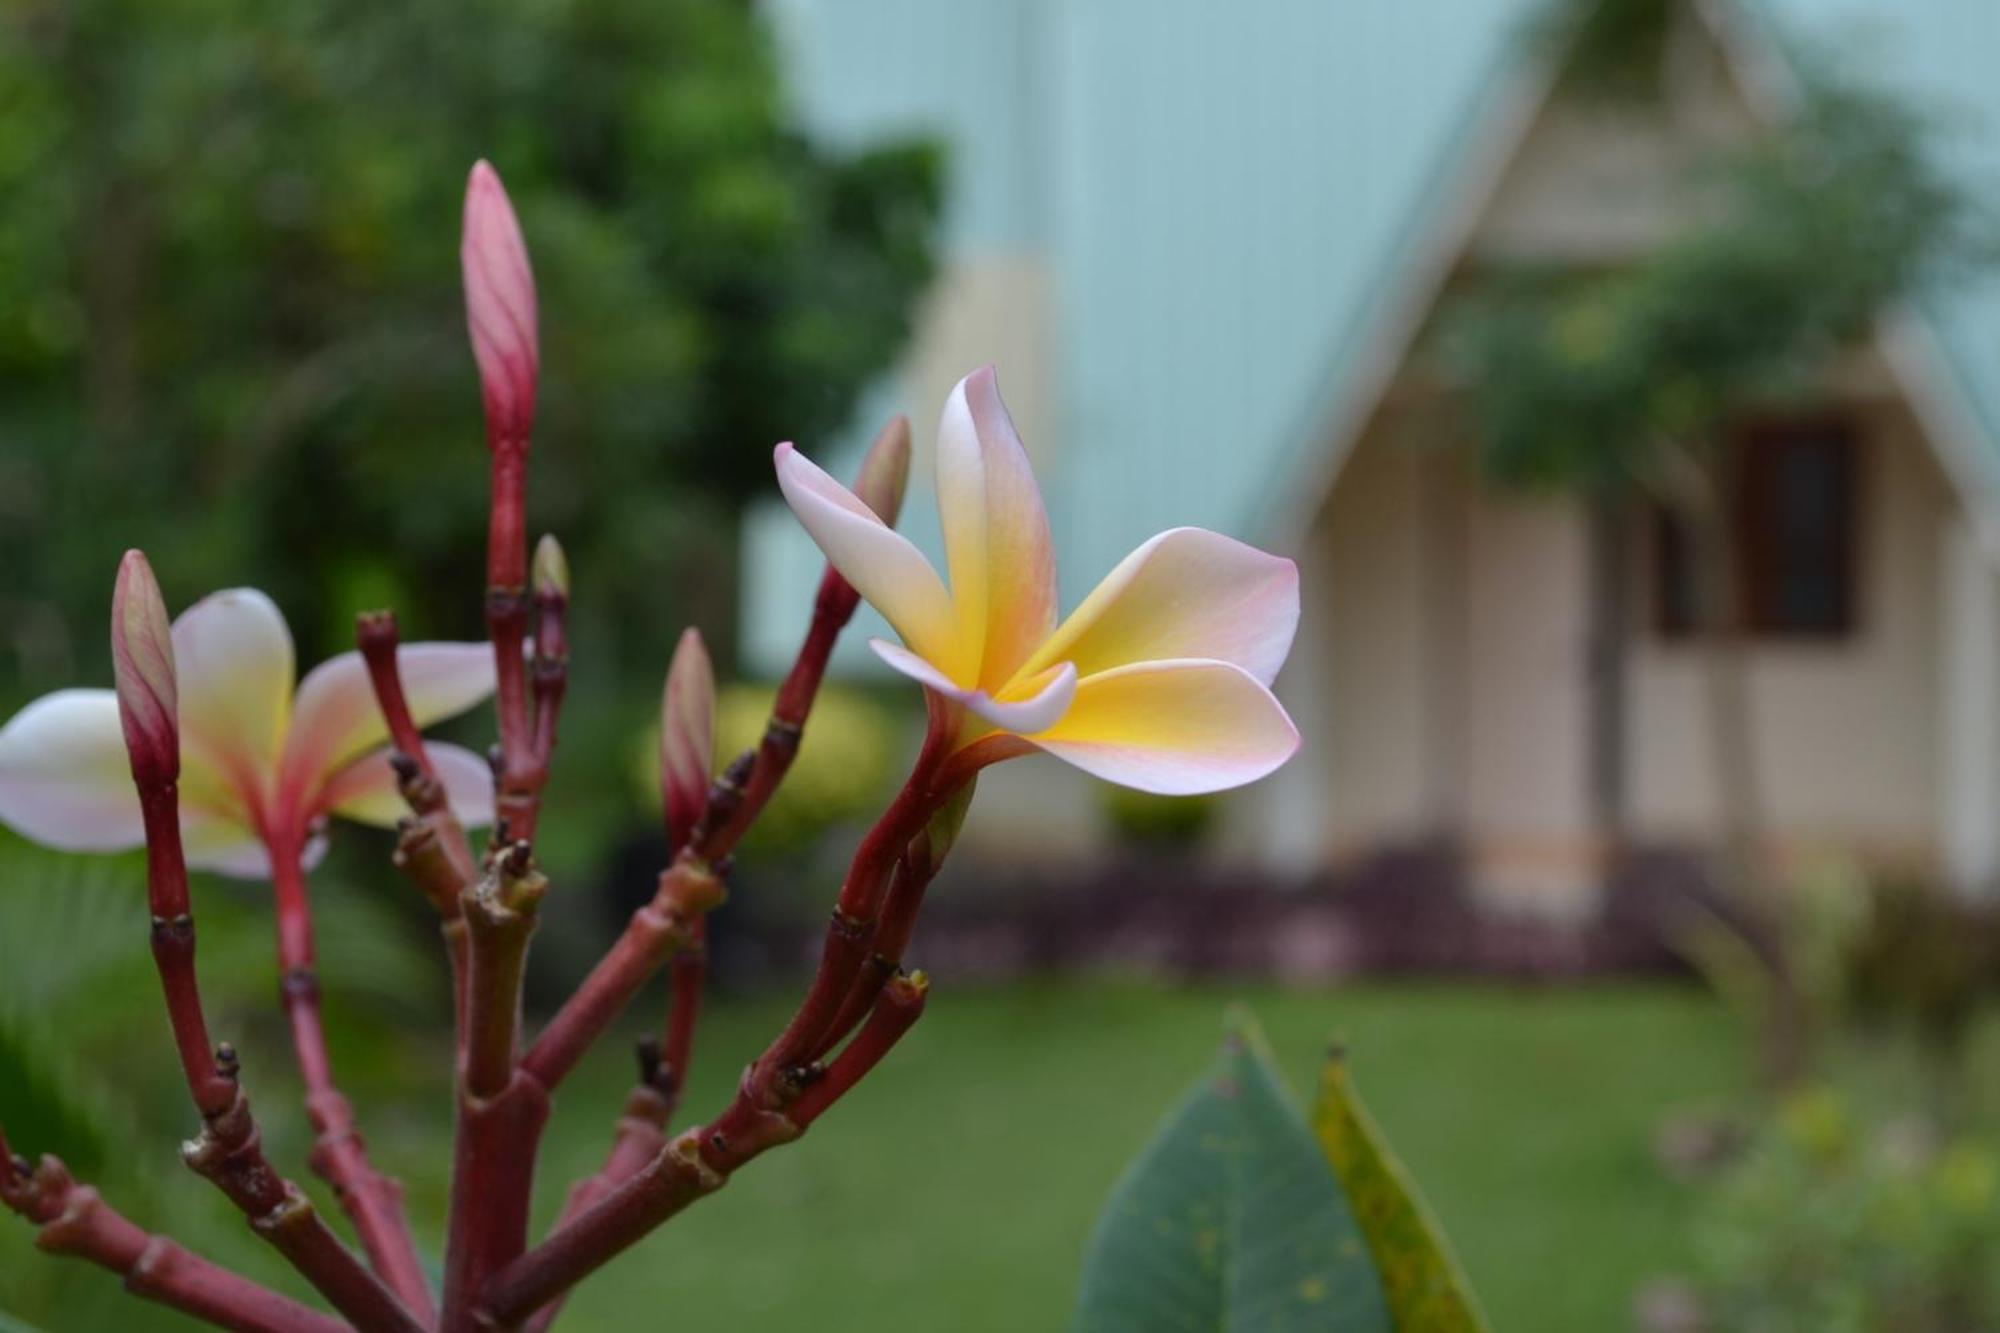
74, 1220
694, 1165
228, 1151
372, 1201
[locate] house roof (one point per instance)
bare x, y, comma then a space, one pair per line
1242, 208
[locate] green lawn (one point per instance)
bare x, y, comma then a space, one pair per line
955, 1190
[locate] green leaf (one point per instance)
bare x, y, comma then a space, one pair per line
1427, 1290
1230, 1220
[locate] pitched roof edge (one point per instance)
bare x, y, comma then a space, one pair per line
1372, 346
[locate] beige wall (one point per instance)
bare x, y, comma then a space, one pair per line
1450, 622
1445, 623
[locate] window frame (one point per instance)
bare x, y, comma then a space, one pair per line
1758, 447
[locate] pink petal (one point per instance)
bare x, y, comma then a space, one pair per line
335, 718
881, 564
1187, 593
499, 302
996, 531
142, 668
365, 790
1178, 728
1039, 705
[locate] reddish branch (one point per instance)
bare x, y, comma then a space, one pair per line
850, 932
641, 1132
74, 1220
228, 1151
500, 1113
372, 1201
432, 850
687, 891
786, 1089
694, 1165
914, 872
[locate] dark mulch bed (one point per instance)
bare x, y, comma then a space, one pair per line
1404, 912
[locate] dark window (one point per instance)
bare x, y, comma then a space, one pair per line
1794, 531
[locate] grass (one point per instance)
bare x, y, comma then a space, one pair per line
957, 1188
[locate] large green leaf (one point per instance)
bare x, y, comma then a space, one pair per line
1230, 1220
1427, 1291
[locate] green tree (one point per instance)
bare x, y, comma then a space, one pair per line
1622, 384
230, 325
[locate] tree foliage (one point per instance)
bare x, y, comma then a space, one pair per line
1815, 229
230, 324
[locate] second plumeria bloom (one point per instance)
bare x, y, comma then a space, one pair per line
261, 763
1160, 679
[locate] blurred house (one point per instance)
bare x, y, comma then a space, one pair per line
1202, 242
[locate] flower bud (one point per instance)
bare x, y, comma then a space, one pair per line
499, 307
142, 663
551, 570
687, 734
885, 472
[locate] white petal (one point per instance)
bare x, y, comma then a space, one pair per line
1039, 706
1178, 728
335, 717
233, 653
996, 531
1188, 593
881, 564
64, 779
366, 791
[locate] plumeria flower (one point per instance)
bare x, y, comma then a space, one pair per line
1159, 680
261, 765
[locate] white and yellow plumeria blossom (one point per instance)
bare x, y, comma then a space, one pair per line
1159, 680
261, 765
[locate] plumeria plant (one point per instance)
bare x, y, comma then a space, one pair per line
208, 755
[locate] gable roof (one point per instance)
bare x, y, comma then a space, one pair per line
1246, 210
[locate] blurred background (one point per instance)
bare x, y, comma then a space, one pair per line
1623, 374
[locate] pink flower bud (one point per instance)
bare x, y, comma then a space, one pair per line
687, 734
142, 662
500, 307
885, 472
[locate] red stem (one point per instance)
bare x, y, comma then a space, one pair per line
914, 872
372, 1201
850, 932
687, 891
74, 1220
833, 607
694, 1165
228, 1151
649, 1109
431, 848
500, 1111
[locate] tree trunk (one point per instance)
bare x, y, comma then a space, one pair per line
1742, 871
1609, 626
